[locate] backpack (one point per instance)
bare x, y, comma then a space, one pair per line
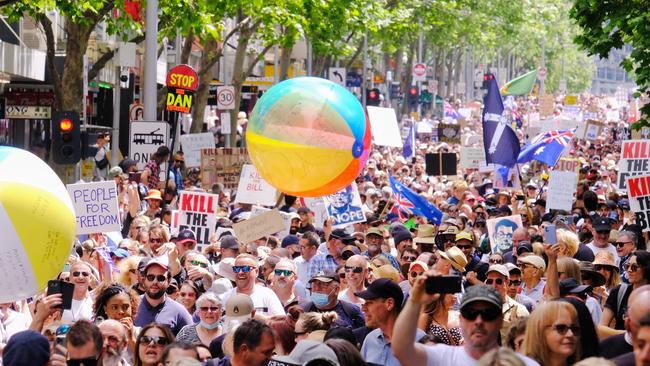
619, 299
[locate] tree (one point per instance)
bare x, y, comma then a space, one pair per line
611, 25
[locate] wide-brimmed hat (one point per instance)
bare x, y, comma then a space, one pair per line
588, 270
426, 234
456, 257
153, 194
605, 259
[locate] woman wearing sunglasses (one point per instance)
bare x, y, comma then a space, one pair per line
187, 296
638, 272
150, 344
209, 326
553, 335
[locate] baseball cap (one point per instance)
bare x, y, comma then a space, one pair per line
512, 268
374, 231
305, 351
289, 240
350, 248
572, 286
500, 269
383, 288
229, 242
186, 235
325, 276
424, 266
120, 253
601, 224
524, 247
239, 308
157, 261
303, 210
341, 235
534, 260
464, 235
26, 348
481, 293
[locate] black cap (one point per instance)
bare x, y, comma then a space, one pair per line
303, 210
229, 242
541, 202
185, 235
481, 293
289, 240
383, 288
142, 265
524, 247
341, 234
572, 286
601, 224
401, 235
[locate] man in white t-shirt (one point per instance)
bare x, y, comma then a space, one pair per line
601, 229
82, 300
480, 320
265, 300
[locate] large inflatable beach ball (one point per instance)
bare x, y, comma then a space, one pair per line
37, 224
308, 137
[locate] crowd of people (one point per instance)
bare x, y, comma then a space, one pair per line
366, 293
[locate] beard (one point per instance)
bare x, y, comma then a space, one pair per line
112, 357
156, 294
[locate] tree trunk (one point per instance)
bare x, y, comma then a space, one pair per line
407, 79
441, 55
208, 58
72, 78
399, 66
187, 47
238, 78
285, 62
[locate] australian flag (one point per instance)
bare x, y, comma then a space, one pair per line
499, 139
408, 151
407, 201
546, 147
451, 112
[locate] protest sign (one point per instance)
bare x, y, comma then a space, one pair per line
222, 165
259, 226
635, 156
95, 206
612, 116
197, 212
254, 189
561, 187
500, 232
593, 129
639, 193
449, 133
570, 100
642, 133
344, 206
568, 165
385, 131
546, 105
441, 164
192, 144
144, 139
318, 210
471, 157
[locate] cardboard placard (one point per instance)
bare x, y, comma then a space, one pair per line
593, 130
192, 144
471, 157
546, 105
259, 226
254, 189
222, 165
568, 165
449, 133
95, 206
197, 212
318, 210
561, 188
441, 164
635, 157
500, 232
344, 206
384, 127
639, 193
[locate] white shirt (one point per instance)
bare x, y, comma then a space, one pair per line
302, 267
266, 302
81, 309
442, 354
15, 322
609, 248
343, 295
594, 309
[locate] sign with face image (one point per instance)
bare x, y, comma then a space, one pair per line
500, 231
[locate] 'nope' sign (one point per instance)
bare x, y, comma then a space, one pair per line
182, 81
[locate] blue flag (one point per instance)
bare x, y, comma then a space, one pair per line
546, 147
409, 145
499, 139
410, 202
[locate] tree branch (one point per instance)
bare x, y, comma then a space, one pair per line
49, 37
356, 54
257, 59
103, 60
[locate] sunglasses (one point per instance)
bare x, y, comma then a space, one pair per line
79, 274
155, 340
415, 274
496, 261
90, 361
599, 267
409, 259
159, 278
199, 264
464, 247
353, 269
213, 309
490, 281
180, 161
514, 283
155, 240
285, 272
621, 244
562, 329
244, 269
631, 267
487, 315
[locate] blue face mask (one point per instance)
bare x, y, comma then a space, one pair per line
212, 326
320, 300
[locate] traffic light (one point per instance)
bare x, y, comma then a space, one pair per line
413, 96
66, 138
487, 78
372, 97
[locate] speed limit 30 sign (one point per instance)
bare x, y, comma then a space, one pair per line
226, 97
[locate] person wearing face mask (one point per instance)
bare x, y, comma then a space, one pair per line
209, 326
325, 287
283, 280
292, 244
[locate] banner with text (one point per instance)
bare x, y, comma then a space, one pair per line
561, 187
635, 157
95, 205
197, 212
639, 193
344, 206
192, 144
254, 189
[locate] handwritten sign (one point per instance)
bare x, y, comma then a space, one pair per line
561, 187
635, 160
546, 105
254, 189
197, 212
318, 210
192, 144
222, 165
639, 193
344, 206
471, 157
259, 226
95, 205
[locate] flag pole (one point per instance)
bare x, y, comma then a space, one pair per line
529, 214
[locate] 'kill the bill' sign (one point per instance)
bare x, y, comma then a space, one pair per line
182, 82
638, 189
198, 213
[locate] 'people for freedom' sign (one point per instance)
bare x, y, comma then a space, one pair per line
197, 212
639, 193
95, 205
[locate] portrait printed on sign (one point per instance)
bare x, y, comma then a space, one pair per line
344, 206
500, 231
